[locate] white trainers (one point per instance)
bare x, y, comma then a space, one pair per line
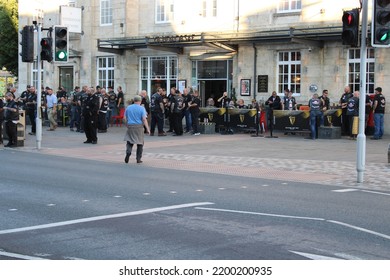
197, 133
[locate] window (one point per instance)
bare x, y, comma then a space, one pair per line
158, 71
289, 6
214, 12
209, 7
72, 3
105, 12
164, 11
105, 69
35, 75
289, 72
354, 69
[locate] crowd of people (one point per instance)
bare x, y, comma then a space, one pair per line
349, 104
90, 109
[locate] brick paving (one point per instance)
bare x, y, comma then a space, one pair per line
287, 158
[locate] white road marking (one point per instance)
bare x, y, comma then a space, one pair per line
19, 256
105, 217
298, 217
360, 229
381, 193
345, 190
260, 214
50, 205
314, 256
356, 190
117, 196
12, 209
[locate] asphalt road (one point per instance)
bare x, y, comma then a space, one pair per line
65, 208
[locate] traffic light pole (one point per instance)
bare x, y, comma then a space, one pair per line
39, 97
361, 138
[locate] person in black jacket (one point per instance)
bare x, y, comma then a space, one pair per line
91, 116
11, 117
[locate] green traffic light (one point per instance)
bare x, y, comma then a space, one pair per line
383, 35
61, 55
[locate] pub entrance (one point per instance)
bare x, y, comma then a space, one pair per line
214, 77
211, 89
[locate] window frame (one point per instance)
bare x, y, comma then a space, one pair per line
289, 63
106, 13
289, 9
108, 71
165, 16
353, 63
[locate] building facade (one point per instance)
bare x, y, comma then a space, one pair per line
248, 48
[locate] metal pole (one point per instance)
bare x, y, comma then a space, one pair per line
39, 96
361, 138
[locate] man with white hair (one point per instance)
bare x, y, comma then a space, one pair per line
136, 122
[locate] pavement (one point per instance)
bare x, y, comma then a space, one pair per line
288, 158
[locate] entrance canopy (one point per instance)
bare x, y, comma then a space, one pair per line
226, 42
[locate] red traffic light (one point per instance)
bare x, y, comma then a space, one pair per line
47, 49
350, 18
350, 34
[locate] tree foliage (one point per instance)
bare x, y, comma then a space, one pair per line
9, 35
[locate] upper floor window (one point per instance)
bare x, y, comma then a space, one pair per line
289, 5
105, 12
164, 11
72, 3
209, 8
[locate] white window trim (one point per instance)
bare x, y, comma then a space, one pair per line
105, 69
289, 63
358, 60
34, 70
168, 11
105, 24
289, 9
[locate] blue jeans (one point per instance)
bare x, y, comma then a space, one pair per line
187, 114
314, 115
379, 121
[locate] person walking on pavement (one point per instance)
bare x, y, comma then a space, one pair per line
91, 116
379, 112
51, 102
136, 122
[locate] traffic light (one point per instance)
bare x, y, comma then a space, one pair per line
27, 43
350, 35
380, 33
47, 49
61, 45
